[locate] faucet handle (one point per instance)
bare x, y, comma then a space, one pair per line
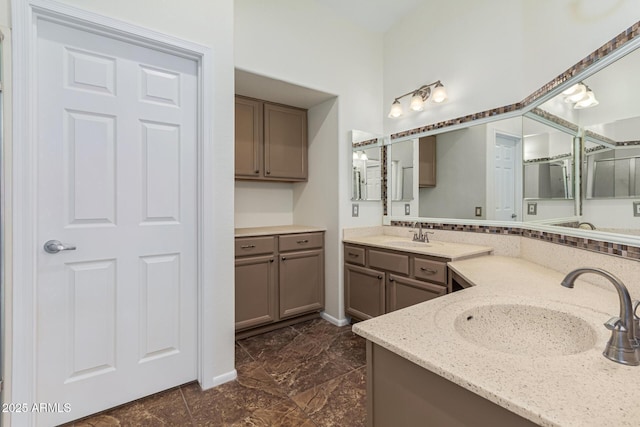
614, 324
636, 319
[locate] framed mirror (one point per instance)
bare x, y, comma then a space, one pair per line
605, 136
366, 167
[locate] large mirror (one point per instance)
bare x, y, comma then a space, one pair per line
366, 168
610, 157
582, 167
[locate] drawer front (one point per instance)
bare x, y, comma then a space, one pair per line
246, 246
293, 242
432, 271
389, 261
354, 255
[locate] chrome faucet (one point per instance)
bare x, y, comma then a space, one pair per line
420, 236
623, 346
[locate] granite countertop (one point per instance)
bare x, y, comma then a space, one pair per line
277, 229
580, 389
447, 250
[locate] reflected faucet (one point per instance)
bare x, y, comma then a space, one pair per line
622, 346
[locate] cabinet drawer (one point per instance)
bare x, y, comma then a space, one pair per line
389, 261
255, 245
432, 271
354, 255
292, 242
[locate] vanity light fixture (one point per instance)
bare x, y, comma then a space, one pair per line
418, 97
581, 96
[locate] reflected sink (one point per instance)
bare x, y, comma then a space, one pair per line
409, 244
525, 330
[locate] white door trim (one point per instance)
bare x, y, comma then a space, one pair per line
25, 17
492, 136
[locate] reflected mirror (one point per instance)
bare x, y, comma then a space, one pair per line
548, 162
366, 168
402, 171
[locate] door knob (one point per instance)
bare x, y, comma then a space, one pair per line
54, 246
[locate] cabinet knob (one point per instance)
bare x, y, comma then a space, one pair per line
268, 172
379, 277
256, 171
284, 258
428, 270
271, 260
302, 242
391, 279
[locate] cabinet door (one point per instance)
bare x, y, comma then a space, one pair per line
285, 143
427, 161
248, 138
301, 282
403, 292
364, 292
256, 291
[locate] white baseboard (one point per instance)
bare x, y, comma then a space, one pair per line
224, 378
338, 322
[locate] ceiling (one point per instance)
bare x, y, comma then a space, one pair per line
376, 15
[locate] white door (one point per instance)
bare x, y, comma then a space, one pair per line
505, 178
116, 317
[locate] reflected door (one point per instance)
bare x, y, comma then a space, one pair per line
505, 178
116, 317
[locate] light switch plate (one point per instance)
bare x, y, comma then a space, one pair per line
636, 208
532, 208
355, 210
478, 210
407, 209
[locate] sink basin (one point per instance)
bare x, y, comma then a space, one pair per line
525, 330
409, 244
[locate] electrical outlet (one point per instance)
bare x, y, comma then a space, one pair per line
355, 210
636, 208
532, 208
478, 210
407, 209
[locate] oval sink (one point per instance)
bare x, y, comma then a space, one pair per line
525, 330
409, 244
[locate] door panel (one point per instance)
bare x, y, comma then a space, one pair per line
116, 178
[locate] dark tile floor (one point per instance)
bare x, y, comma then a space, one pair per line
308, 375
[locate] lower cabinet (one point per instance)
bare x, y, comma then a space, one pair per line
278, 278
256, 291
403, 292
377, 281
364, 292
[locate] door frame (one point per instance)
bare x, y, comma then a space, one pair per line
24, 249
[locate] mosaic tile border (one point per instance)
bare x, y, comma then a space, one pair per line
547, 159
555, 119
383, 193
365, 143
593, 245
615, 43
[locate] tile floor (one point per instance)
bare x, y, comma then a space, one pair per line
308, 375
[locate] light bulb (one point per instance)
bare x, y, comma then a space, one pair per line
396, 109
439, 94
416, 104
363, 156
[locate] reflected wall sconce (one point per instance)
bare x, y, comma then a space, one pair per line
581, 96
418, 97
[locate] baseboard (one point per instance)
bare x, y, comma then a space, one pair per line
338, 322
225, 378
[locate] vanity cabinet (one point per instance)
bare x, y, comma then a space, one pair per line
378, 281
270, 141
278, 279
427, 162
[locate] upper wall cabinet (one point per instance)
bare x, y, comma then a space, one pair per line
271, 141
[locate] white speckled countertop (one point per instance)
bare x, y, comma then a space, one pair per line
581, 389
448, 250
277, 229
